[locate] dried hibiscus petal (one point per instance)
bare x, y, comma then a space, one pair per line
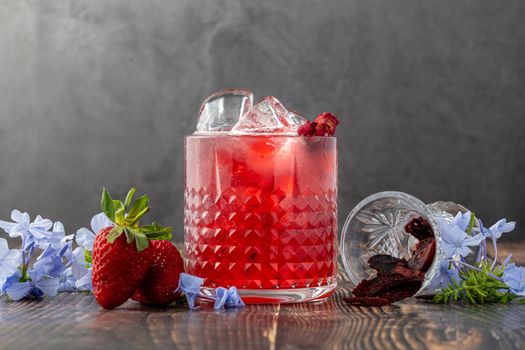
328, 121
419, 228
397, 278
423, 255
385, 264
307, 129
324, 125
367, 301
386, 286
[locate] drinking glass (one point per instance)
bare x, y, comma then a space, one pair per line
261, 215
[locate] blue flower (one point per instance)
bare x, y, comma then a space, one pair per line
514, 277
81, 270
62, 248
462, 220
37, 286
499, 228
190, 286
85, 238
227, 298
34, 233
84, 283
67, 281
444, 276
10, 260
50, 266
455, 241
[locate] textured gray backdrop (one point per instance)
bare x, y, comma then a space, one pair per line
100, 93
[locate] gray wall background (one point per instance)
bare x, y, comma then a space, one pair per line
100, 93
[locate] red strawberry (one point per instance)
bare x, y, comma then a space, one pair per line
162, 278
118, 269
121, 254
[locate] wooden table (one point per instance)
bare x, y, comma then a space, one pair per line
75, 321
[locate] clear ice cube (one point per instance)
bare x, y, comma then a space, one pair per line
269, 116
222, 110
295, 120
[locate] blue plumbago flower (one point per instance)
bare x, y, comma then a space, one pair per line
190, 286
85, 237
227, 298
444, 276
10, 260
81, 270
456, 242
462, 220
495, 231
514, 278
34, 233
67, 281
224, 298
84, 282
36, 286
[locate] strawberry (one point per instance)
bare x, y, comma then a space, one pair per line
162, 278
121, 253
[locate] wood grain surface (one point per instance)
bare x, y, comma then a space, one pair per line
75, 321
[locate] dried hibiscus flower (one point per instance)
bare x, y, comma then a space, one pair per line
397, 278
324, 125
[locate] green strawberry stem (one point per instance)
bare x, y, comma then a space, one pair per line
128, 223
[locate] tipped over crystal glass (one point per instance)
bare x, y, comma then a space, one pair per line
260, 202
376, 226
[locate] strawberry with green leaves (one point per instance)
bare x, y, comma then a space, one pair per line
122, 253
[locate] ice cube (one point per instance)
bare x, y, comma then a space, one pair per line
295, 120
222, 110
269, 116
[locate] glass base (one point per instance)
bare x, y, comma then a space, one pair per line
278, 296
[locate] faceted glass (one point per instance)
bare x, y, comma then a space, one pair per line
261, 214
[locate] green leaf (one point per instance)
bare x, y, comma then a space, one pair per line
156, 231
107, 205
88, 258
129, 235
476, 287
129, 197
471, 223
120, 212
141, 241
139, 207
115, 233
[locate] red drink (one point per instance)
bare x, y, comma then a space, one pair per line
261, 214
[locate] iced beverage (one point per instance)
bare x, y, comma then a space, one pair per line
261, 214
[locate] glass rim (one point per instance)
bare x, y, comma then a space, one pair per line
283, 135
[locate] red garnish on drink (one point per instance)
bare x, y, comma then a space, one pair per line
324, 125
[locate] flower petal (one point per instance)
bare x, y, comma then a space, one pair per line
21, 218
7, 226
85, 238
190, 286
189, 283
100, 221
48, 285
84, 283
19, 290
221, 295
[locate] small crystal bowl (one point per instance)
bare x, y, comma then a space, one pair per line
376, 226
